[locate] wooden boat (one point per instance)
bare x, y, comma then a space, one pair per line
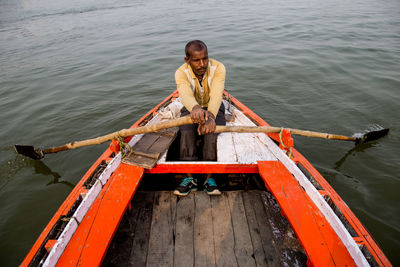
275, 208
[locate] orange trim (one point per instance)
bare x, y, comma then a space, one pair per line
364, 236
50, 244
204, 168
320, 242
90, 241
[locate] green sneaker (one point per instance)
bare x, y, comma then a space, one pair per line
210, 186
188, 184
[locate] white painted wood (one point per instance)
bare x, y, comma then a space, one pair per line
62, 242
244, 148
226, 151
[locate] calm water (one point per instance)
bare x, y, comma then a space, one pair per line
70, 70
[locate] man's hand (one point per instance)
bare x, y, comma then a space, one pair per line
198, 115
209, 126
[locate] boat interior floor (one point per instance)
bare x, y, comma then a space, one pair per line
238, 228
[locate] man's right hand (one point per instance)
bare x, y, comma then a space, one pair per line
198, 115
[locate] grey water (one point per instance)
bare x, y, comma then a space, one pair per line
70, 70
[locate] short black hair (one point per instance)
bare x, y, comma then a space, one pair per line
196, 45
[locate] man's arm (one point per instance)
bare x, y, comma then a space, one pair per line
216, 91
185, 90
197, 114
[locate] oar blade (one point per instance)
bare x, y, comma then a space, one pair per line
374, 134
29, 151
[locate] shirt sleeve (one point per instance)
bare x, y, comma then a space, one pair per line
185, 90
217, 89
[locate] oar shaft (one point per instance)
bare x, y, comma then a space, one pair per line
121, 133
266, 129
187, 120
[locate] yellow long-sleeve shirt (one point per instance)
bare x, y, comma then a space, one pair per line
192, 94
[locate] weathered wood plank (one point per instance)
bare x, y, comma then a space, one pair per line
224, 241
204, 253
143, 206
242, 147
289, 249
243, 245
245, 147
254, 230
161, 243
185, 212
226, 151
270, 252
150, 147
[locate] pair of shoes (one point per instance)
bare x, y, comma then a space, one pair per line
186, 186
190, 184
210, 186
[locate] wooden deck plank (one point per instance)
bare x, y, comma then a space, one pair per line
288, 246
261, 226
161, 243
254, 231
224, 240
203, 231
141, 233
243, 245
185, 217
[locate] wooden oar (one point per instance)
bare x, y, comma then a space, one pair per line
377, 133
36, 153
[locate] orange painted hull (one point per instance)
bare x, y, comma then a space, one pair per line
92, 232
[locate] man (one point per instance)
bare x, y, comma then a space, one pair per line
200, 82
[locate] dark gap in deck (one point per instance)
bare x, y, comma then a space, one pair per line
238, 228
226, 182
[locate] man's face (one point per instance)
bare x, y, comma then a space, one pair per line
198, 61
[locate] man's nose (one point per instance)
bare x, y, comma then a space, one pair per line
202, 63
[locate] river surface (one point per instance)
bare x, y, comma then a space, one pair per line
70, 70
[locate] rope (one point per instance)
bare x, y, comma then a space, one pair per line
124, 148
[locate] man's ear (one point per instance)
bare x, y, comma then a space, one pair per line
186, 59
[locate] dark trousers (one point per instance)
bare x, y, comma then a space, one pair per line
189, 135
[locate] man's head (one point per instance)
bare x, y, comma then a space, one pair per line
197, 56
